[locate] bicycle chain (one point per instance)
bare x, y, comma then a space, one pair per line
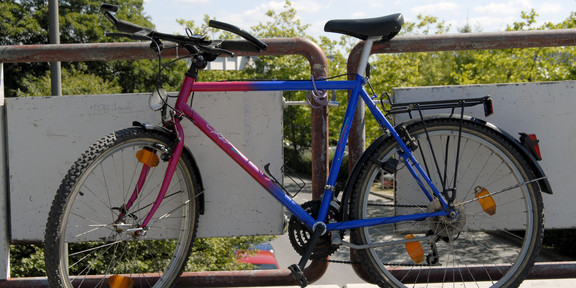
395, 205
387, 264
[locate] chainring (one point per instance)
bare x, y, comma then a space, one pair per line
300, 235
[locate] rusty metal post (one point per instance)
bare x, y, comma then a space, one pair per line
280, 277
319, 66
54, 37
547, 270
448, 42
356, 140
139, 50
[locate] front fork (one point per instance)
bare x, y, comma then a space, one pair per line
172, 163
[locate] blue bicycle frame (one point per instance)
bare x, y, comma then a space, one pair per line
357, 91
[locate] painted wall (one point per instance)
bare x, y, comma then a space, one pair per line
45, 135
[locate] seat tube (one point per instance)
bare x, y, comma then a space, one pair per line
366, 51
340, 148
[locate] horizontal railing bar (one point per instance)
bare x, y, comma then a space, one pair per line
545, 270
477, 41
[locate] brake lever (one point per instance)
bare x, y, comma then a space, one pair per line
218, 51
212, 50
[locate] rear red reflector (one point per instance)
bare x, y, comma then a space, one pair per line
530, 141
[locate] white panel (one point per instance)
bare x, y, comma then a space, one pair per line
546, 109
4, 243
47, 134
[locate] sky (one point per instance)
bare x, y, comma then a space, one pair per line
489, 15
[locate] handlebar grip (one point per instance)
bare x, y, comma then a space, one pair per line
129, 27
122, 25
231, 28
109, 7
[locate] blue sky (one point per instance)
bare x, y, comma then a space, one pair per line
490, 15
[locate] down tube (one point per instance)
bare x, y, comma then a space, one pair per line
249, 167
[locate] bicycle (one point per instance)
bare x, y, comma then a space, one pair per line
464, 203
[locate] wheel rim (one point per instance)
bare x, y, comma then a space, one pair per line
455, 251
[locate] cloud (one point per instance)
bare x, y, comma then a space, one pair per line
257, 14
489, 23
191, 1
548, 7
308, 6
435, 8
504, 8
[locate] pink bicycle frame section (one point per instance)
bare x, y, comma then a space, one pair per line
188, 86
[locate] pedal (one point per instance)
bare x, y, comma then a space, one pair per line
298, 275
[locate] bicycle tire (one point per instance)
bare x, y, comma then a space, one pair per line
85, 237
493, 250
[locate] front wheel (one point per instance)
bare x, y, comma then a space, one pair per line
498, 231
93, 230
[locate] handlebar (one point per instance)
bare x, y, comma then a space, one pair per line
240, 32
137, 32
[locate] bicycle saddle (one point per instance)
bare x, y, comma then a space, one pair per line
385, 26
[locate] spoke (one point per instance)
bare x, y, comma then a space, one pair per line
504, 190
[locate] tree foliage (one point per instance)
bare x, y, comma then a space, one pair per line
80, 22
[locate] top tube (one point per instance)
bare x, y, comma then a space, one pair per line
280, 85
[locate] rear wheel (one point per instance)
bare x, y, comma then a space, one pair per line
498, 231
90, 230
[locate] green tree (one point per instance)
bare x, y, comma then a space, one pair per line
472, 67
80, 22
72, 84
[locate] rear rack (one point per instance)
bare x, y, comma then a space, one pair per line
397, 108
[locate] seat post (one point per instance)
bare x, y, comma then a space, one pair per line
366, 51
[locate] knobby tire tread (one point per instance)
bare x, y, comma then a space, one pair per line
52, 237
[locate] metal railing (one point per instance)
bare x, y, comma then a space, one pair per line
134, 51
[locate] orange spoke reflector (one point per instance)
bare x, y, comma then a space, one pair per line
414, 249
485, 200
147, 157
118, 281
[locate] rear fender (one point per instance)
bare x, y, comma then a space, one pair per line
528, 156
543, 183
